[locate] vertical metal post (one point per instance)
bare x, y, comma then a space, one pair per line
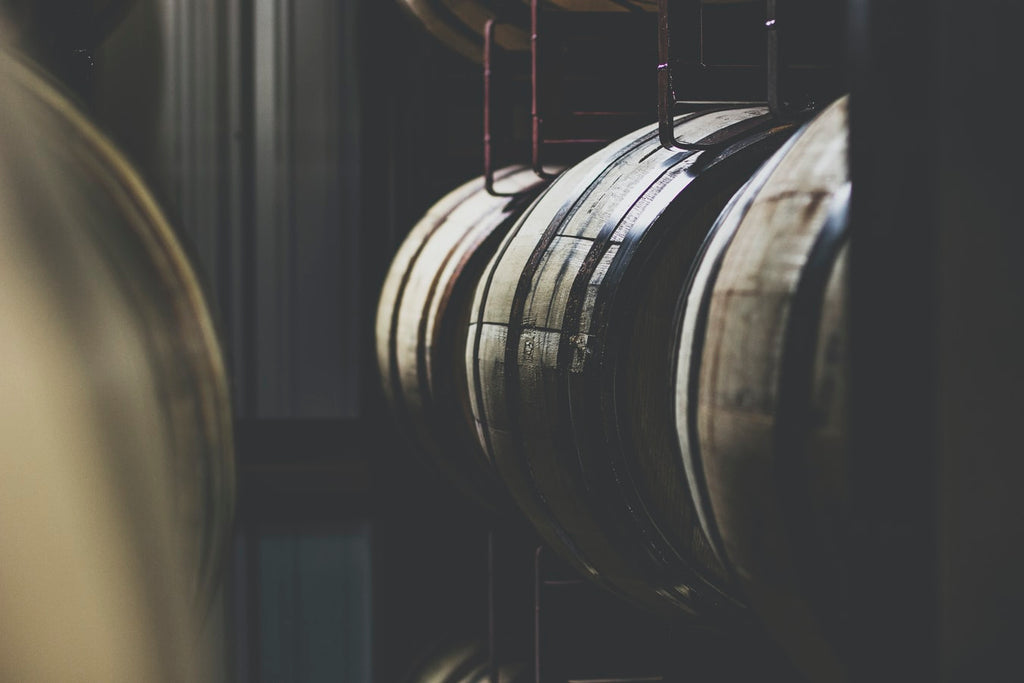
775, 65
538, 584
537, 121
536, 115
489, 28
666, 94
667, 100
492, 622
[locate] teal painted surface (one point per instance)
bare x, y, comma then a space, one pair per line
315, 606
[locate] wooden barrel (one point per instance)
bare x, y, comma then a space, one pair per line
465, 661
109, 262
422, 316
760, 389
571, 350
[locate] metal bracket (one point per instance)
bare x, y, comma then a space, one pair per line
780, 108
537, 104
488, 107
535, 110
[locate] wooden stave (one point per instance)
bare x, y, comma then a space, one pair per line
792, 574
489, 353
421, 311
517, 268
631, 453
166, 293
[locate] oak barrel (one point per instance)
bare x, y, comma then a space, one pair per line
129, 303
422, 315
571, 350
760, 389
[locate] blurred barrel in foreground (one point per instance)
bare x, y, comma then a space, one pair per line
761, 390
571, 350
465, 661
117, 455
421, 321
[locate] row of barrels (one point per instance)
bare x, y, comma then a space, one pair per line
117, 478
646, 358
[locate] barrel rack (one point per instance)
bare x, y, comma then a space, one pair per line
674, 72
519, 569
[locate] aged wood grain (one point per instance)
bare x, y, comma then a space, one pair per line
422, 314
571, 349
760, 397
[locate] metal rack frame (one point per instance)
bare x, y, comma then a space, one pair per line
668, 104
538, 108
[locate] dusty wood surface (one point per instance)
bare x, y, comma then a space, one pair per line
421, 319
571, 348
761, 387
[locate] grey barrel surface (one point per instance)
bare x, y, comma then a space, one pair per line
422, 314
571, 349
761, 389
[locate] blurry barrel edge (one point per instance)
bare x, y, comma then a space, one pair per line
117, 287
